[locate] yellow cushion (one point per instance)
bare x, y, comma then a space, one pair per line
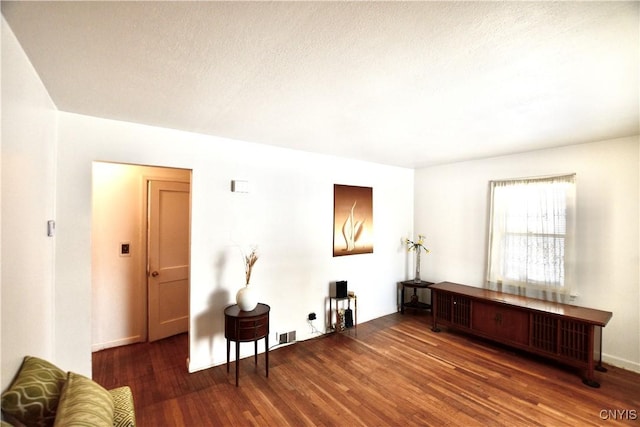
33, 396
123, 413
84, 403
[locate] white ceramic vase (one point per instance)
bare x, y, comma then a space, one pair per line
247, 298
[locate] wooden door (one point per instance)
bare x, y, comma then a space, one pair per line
168, 258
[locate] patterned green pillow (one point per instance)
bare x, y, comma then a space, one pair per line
33, 396
123, 410
85, 403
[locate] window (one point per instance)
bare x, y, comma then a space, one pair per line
531, 236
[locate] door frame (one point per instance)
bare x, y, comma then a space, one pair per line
133, 291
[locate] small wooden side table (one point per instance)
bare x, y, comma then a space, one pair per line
245, 326
414, 303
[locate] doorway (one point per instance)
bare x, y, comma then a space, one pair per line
121, 265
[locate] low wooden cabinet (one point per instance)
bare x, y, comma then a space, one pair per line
567, 333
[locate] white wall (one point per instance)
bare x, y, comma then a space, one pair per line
119, 283
28, 194
451, 208
46, 169
288, 213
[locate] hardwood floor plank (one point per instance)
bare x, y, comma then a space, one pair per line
396, 371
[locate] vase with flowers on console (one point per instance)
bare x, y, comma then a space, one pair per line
417, 246
247, 297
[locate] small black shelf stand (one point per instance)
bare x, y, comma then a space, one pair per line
332, 325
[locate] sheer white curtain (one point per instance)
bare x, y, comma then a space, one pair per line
531, 237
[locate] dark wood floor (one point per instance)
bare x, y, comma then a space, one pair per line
395, 372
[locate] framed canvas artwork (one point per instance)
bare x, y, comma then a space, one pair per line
352, 220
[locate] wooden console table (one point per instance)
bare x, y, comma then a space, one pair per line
244, 326
566, 333
415, 302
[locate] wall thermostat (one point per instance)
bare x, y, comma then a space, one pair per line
238, 186
125, 249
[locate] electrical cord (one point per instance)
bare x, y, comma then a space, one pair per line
314, 330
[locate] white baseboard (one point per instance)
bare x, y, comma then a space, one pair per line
191, 368
116, 343
621, 363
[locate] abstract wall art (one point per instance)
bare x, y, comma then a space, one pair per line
352, 220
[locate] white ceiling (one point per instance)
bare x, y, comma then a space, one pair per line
401, 83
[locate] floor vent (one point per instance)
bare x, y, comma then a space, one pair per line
286, 337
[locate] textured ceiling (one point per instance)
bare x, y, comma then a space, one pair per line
401, 83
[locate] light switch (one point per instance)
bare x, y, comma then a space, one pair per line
51, 228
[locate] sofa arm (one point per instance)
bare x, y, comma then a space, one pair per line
124, 412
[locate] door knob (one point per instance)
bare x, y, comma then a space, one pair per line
154, 274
